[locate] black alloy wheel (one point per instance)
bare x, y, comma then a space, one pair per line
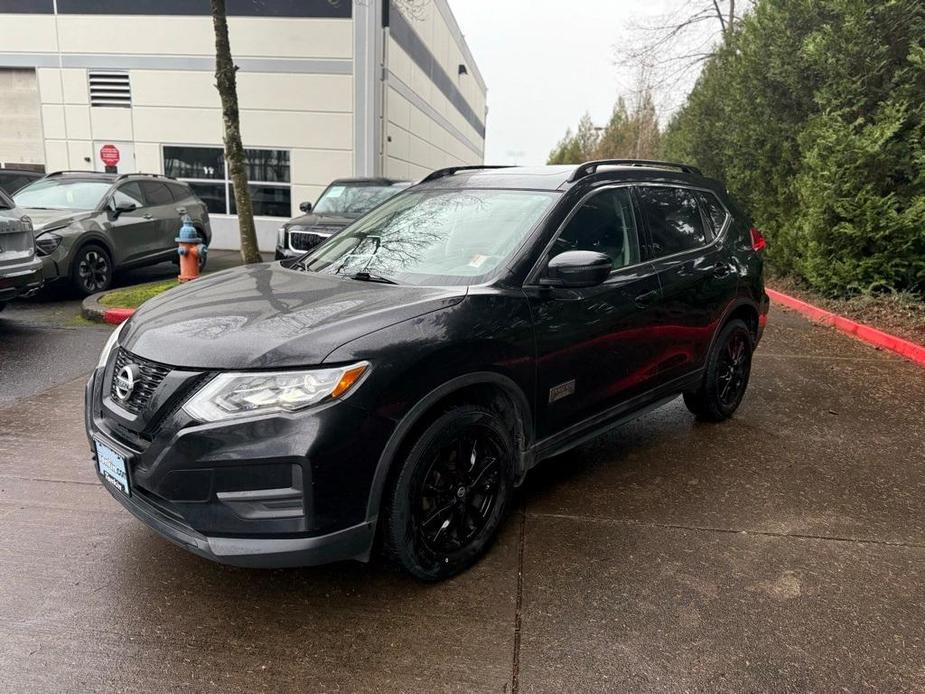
732, 369
726, 375
451, 494
91, 270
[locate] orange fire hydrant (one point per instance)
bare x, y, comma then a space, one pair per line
191, 249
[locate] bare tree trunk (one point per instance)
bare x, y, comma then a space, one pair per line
730, 25
226, 83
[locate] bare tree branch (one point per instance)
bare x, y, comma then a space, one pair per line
671, 48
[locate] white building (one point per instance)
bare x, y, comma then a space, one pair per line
327, 89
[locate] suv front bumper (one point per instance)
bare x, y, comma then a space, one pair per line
264, 492
252, 552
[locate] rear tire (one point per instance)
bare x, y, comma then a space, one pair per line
726, 376
91, 270
443, 510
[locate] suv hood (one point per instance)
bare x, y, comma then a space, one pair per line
267, 316
53, 218
323, 220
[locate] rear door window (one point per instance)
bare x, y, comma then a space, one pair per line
179, 191
156, 193
673, 218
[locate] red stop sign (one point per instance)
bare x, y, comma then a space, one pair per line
109, 154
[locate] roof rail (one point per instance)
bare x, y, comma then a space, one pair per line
590, 167
121, 177
71, 171
450, 170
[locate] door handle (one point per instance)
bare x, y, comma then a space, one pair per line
148, 216
645, 299
721, 270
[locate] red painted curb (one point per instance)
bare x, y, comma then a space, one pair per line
865, 333
114, 316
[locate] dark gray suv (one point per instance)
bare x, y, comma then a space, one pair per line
89, 225
343, 202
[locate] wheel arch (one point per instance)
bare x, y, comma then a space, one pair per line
485, 386
746, 312
741, 308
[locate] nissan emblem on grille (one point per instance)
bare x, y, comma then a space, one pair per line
125, 382
146, 377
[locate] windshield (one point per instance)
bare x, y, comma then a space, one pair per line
59, 194
434, 236
354, 201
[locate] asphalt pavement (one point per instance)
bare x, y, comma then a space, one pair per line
783, 550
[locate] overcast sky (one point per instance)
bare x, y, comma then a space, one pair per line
546, 62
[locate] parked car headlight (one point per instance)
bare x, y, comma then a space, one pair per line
231, 395
47, 243
281, 237
110, 345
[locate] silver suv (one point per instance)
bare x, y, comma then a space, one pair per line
89, 225
20, 269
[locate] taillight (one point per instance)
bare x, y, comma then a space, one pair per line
758, 242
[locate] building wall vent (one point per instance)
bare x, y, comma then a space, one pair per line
110, 88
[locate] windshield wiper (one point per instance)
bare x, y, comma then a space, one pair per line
364, 276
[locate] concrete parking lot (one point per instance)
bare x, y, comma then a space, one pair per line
783, 550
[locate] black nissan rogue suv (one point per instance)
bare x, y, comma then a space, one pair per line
391, 387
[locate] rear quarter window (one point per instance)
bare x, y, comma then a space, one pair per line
714, 211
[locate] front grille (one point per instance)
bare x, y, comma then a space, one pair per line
150, 376
306, 240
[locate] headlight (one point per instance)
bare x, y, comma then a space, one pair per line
281, 237
47, 243
231, 395
110, 345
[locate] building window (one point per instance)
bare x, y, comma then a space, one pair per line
203, 168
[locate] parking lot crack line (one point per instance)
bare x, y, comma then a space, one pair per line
732, 531
48, 479
515, 666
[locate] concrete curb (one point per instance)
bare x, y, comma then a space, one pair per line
93, 310
910, 350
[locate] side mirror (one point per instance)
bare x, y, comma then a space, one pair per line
121, 208
575, 269
306, 207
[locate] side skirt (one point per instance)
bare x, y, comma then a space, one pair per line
616, 416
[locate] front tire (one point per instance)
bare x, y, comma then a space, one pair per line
445, 507
726, 376
91, 270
